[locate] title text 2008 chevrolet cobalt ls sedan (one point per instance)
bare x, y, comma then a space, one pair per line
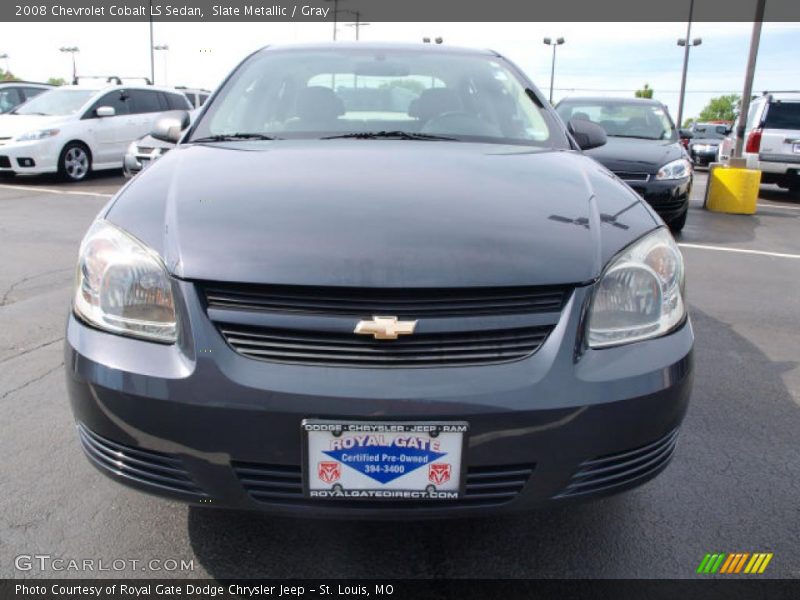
378, 280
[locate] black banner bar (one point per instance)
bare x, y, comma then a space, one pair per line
393, 10
712, 588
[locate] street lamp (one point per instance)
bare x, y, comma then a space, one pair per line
438, 40
72, 50
686, 43
554, 43
163, 47
358, 24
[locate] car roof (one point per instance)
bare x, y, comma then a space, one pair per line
110, 88
27, 83
403, 46
611, 99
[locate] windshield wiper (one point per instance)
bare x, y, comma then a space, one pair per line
635, 137
393, 135
233, 137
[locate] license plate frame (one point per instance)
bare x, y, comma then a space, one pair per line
395, 488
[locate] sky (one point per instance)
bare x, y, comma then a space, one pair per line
609, 59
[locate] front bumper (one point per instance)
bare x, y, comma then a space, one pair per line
670, 199
198, 422
44, 154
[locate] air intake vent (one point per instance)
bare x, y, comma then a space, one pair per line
405, 303
283, 485
153, 469
419, 350
607, 472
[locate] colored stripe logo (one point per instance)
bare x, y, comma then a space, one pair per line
734, 563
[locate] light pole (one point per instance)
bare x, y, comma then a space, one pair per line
686, 43
72, 50
152, 53
555, 44
755, 39
5, 56
357, 24
163, 47
335, 16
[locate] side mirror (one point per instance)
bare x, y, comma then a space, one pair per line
105, 111
685, 134
170, 126
588, 135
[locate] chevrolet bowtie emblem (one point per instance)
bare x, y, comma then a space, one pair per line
385, 328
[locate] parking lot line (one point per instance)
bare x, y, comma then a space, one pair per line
27, 188
778, 206
739, 250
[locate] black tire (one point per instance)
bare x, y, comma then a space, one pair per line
7, 174
676, 224
794, 190
75, 162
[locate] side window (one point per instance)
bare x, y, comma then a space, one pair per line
145, 101
9, 98
177, 102
31, 92
203, 98
118, 100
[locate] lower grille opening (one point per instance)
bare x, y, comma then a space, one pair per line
148, 467
615, 470
283, 485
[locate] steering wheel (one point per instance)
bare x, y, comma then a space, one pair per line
459, 123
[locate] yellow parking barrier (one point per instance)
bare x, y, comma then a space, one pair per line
732, 190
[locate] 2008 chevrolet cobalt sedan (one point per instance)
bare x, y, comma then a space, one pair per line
378, 280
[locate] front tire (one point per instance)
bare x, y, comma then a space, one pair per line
677, 224
75, 162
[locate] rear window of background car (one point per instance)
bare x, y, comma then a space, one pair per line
783, 115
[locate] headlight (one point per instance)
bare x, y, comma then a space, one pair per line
37, 135
122, 286
677, 169
640, 294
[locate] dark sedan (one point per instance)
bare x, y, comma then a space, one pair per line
643, 150
381, 281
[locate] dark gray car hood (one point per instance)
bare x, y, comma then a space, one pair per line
634, 155
381, 213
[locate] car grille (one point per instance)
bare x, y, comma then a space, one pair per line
283, 485
614, 470
406, 303
632, 176
5, 162
348, 350
153, 469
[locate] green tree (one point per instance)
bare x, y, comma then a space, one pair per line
7, 76
721, 108
645, 92
57, 81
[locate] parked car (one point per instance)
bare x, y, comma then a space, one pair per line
389, 306
706, 138
73, 130
771, 139
197, 96
143, 152
14, 93
643, 150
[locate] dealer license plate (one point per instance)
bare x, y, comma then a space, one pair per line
383, 460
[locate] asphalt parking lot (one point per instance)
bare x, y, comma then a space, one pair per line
733, 485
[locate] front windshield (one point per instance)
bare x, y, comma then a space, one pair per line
55, 102
332, 92
710, 131
622, 119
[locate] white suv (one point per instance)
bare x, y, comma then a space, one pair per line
772, 139
73, 130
